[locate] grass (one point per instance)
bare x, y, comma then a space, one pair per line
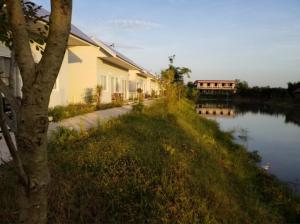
59, 113
156, 165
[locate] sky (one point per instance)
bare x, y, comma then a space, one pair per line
253, 40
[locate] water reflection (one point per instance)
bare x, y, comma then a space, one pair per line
215, 109
230, 109
273, 131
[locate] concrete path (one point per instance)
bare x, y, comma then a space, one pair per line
90, 120
81, 122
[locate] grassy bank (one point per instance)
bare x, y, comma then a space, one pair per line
162, 165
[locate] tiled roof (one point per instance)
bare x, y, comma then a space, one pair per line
121, 56
78, 33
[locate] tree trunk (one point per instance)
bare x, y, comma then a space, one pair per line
12, 73
32, 145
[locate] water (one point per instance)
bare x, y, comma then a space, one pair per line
273, 132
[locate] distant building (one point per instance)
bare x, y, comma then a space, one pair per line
222, 87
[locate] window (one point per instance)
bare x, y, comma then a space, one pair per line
208, 84
117, 85
223, 84
216, 84
103, 82
112, 84
201, 84
132, 86
124, 86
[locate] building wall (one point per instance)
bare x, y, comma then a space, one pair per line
4, 51
59, 95
83, 68
155, 86
117, 80
221, 85
82, 72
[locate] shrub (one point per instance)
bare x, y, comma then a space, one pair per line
88, 96
140, 94
59, 113
118, 99
98, 94
62, 112
138, 107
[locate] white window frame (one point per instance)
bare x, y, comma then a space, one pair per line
104, 78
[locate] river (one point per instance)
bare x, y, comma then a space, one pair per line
274, 132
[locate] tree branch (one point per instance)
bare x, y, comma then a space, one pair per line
11, 146
57, 40
9, 95
21, 42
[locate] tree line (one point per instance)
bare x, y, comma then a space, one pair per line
266, 92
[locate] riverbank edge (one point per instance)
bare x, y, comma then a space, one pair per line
224, 139
284, 103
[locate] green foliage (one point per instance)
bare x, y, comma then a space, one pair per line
59, 113
153, 94
260, 93
191, 91
31, 14
118, 99
139, 90
62, 112
89, 96
292, 87
172, 81
98, 94
175, 75
138, 108
140, 95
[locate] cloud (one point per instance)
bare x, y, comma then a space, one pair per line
133, 24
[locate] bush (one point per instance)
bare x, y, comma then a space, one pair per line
89, 96
138, 107
59, 113
98, 94
62, 112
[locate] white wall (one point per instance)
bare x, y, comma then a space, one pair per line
59, 95
112, 74
4, 51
